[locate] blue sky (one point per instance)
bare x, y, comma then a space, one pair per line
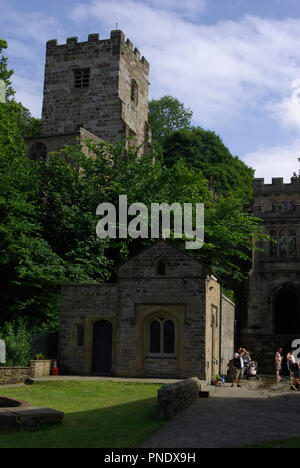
235, 63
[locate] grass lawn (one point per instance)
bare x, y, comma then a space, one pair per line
97, 414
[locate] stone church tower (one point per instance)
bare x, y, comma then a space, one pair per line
274, 284
95, 88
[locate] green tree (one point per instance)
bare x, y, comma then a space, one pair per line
18, 343
29, 126
205, 151
5, 73
115, 170
167, 115
27, 262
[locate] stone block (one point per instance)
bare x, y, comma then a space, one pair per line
28, 417
174, 398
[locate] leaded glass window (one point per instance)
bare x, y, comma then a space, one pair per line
286, 245
162, 337
155, 337
283, 244
169, 337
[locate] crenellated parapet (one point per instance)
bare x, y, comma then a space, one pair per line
277, 186
117, 38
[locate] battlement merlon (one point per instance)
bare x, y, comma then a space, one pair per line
277, 212
117, 37
277, 186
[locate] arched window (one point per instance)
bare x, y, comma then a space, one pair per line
285, 245
134, 92
162, 337
38, 151
161, 268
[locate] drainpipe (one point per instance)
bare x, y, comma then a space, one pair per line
220, 326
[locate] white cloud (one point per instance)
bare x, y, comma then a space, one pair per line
35, 26
220, 70
29, 93
277, 161
184, 8
287, 111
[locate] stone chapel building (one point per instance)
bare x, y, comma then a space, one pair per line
165, 316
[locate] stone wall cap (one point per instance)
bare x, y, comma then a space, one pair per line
228, 300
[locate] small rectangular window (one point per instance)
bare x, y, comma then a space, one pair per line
80, 335
82, 78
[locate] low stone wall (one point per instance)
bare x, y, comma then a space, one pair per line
175, 397
14, 375
40, 368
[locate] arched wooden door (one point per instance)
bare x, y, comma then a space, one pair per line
102, 347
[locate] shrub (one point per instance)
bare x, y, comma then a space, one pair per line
18, 343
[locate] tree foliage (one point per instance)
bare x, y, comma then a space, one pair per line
48, 208
206, 152
167, 115
5, 73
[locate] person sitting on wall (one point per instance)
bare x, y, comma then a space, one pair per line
238, 366
295, 385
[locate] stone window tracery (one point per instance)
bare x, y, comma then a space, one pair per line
285, 245
162, 337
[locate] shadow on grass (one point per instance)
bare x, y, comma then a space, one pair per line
121, 426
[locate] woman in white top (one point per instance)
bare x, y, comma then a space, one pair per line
278, 363
291, 361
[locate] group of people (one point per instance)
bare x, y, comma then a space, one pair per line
292, 365
241, 362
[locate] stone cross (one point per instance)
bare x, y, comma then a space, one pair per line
2, 352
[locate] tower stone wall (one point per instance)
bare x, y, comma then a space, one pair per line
100, 86
274, 281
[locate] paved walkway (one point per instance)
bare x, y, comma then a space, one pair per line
233, 418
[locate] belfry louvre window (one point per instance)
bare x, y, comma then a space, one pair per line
82, 78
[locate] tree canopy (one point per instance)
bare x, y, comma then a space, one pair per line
205, 151
5, 73
167, 115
